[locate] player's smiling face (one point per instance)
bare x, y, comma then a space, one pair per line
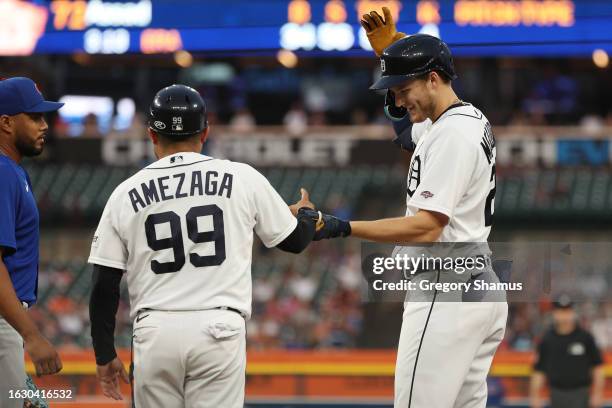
30, 131
416, 96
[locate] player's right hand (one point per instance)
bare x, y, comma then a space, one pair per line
381, 33
327, 226
109, 376
304, 202
43, 355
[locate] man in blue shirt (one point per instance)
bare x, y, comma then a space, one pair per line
22, 134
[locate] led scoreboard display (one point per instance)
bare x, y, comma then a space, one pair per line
470, 27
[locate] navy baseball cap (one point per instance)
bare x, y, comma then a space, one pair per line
21, 95
563, 302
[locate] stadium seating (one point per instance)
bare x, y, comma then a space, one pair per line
79, 192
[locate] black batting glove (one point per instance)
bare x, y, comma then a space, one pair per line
401, 123
327, 226
392, 111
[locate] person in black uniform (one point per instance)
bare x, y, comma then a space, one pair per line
571, 362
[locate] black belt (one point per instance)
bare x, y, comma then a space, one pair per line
231, 309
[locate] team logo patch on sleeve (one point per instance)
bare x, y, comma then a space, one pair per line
427, 194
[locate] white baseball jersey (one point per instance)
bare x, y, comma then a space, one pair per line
182, 229
452, 171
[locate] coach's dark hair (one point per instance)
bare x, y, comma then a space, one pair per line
169, 140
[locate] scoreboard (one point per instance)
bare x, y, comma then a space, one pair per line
470, 27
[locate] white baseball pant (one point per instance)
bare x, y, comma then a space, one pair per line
193, 359
445, 351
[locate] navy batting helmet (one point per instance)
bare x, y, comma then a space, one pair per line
178, 112
411, 57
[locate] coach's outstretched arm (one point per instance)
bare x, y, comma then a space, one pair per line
304, 231
103, 305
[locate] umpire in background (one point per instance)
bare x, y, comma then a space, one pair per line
571, 362
22, 134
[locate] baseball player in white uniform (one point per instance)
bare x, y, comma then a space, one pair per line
448, 340
182, 231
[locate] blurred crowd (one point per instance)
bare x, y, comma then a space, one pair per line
527, 323
290, 310
298, 121
296, 310
525, 92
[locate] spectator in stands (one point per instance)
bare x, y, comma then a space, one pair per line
91, 128
338, 206
520, 337
317, 118
136, 131
602, 327
61, 128
243, 121
570, 360
296, 120
591, 124
554, 96
518, 118
359, 117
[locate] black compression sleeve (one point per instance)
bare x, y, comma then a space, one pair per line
103, 306
301, 236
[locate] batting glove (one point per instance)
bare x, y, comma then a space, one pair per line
392, 111
327, 226
381, 33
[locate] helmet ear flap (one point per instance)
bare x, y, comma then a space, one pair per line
392, 111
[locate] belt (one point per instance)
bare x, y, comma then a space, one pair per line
231, 309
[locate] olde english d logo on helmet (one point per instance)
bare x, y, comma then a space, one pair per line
383, 66
159, 125
414, 176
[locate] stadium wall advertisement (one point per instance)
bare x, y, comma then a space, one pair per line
336, 147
